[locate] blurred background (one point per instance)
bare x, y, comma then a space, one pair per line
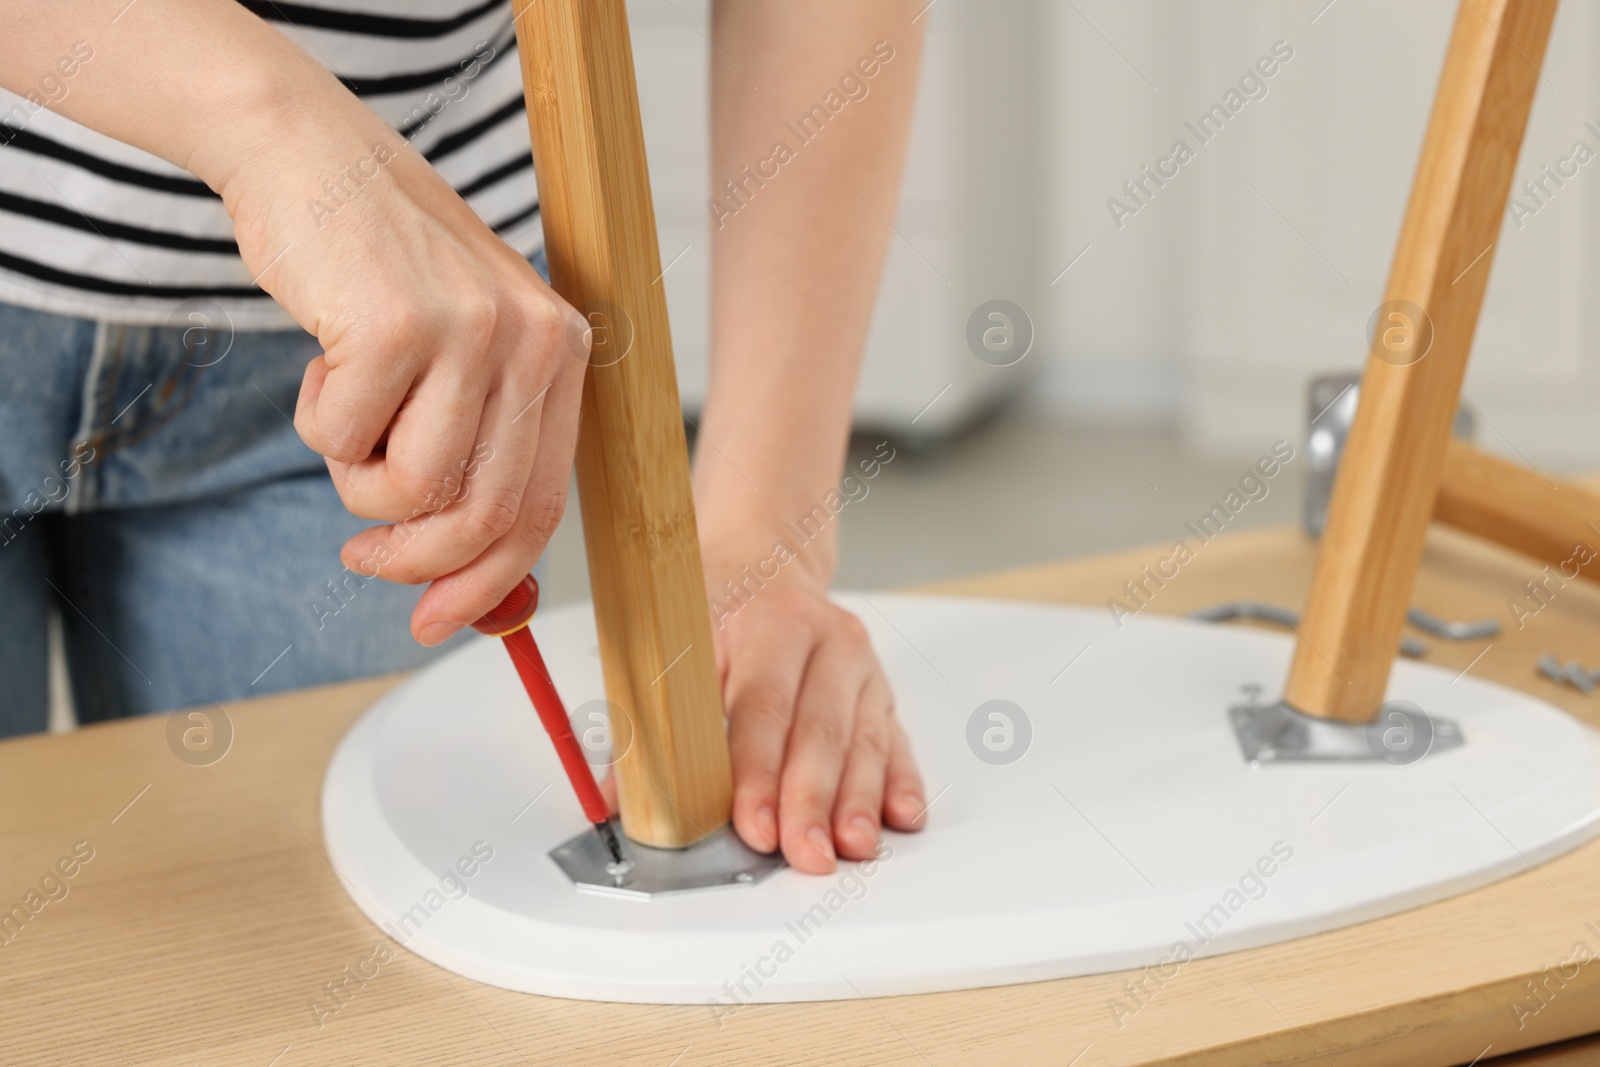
1173, 340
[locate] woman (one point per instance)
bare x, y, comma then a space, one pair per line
229, 231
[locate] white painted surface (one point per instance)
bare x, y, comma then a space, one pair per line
1129, 819
1254, 271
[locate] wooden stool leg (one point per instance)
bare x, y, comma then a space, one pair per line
1554, 522
1389, 475
674, 782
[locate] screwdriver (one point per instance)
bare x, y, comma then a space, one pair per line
509, 622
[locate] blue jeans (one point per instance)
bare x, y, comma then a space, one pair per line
153, 488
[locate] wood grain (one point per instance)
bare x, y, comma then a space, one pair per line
209, 924
1389, 474
1554, 521
674, 782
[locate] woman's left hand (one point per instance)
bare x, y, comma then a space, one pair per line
820, 763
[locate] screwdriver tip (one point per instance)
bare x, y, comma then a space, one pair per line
609, 836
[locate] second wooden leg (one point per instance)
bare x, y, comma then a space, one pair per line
1555, 522
1389, 475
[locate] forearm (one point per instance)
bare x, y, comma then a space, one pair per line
798, 246
203, 84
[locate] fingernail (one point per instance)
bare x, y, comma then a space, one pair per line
767, 827
912, 805
435, 632
818, 836
864, 830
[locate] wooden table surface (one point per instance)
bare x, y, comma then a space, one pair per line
207, 925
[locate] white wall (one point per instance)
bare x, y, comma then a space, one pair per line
968, 227
1209, 308
1212, 306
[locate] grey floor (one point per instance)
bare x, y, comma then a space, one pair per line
1015, 490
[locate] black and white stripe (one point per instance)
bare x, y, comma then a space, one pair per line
94, 228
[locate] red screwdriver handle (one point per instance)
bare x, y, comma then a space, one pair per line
509, 622
514, 611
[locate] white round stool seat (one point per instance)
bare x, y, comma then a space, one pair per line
1112, 824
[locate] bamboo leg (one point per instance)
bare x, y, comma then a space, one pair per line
674, 782
1554, 522
1389, 475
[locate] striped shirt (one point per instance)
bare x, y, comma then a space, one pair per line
94, 228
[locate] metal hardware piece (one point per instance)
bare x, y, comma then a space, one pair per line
1331, 401
1580, 677
1251, 609
1246, 609
1401, 733
1452, 631
717, 861
1572, 673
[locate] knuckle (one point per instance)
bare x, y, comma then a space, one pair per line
479, 317
550, 331
852, 632
565, 325
800, 606
305, 424
401, 326
874, 741
543, 516
806, 798
492, 512
829, 732
341, 446
764, 708
548, 318
419, 488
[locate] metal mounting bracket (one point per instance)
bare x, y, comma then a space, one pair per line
717, 861
1401, 733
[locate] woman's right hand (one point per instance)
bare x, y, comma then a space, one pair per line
446, 398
